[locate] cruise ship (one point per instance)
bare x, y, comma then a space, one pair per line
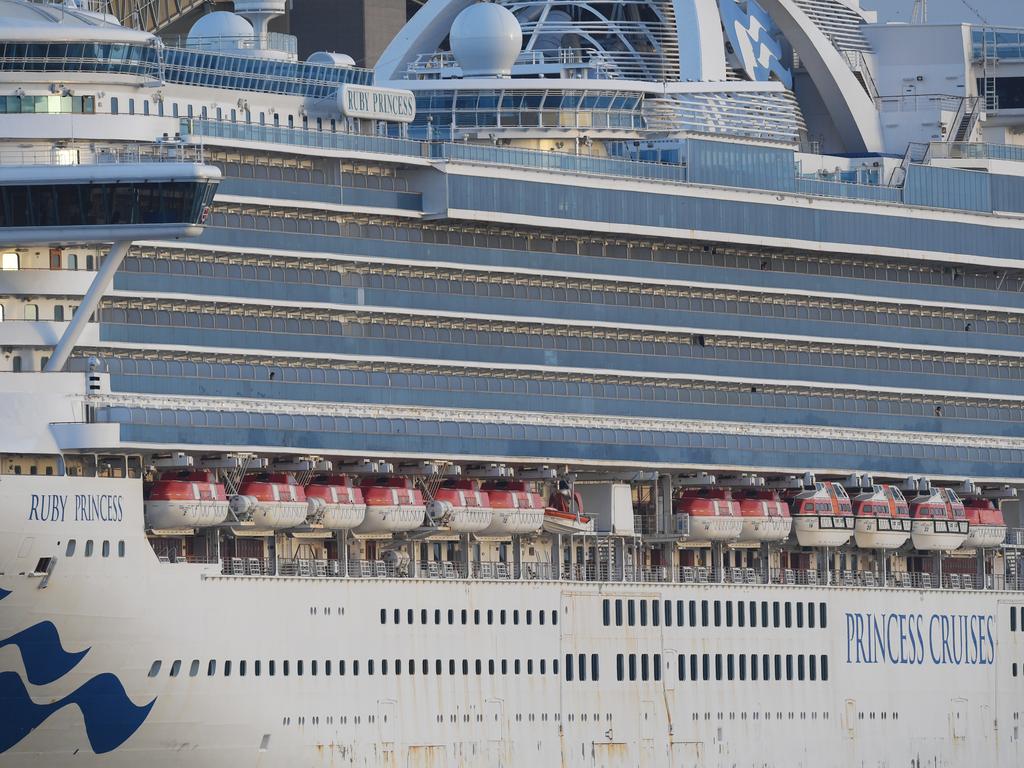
589, 384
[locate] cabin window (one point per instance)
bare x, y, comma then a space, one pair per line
554, 617
800, 667
31, 311
227, 669
810, 615
822, 616
778, 666
211, 668
643, 613
58, 313
174, 109
175, 667
789, 615
775, 614
515, 617
568, 667
618, 613
766, 669
286, 667
257, 667
105, 549
704, 613
656, 613
606, 612
131, 106
741, 618
681, 666
451, 616
631, 612
88, 548
812, 666
193, 669
502, 616
465, 616
113, 105
693, 613
70, 550
1013, 610
656, 666
718, 666
668, 613
753, 666
154, 669
582, 662
730, 667
718, 613
728, 613
824, 668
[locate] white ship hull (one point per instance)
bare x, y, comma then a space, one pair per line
881, 533
514, 522
162, 515
985, 536
391, 519
938, 535
766, 528
340, 517
811, 533
440, 710
715, 528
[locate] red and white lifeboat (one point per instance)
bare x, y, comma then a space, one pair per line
517, 508
765, 516
460, 505
270, 502
393, 505
987, 526
713, 513
882, 518
564, 512
823, 517
939, 521
186, 499
335, 503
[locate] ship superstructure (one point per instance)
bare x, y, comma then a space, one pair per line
605, 383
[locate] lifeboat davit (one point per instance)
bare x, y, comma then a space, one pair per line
564, 513
186, 499
335, 503
823, 517
882, 519
459, 505
714, 515
393, 505
517, 508
987, 526
270, 502
939, 521
765, 516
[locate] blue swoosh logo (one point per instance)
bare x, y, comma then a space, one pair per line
110, 716
41, 650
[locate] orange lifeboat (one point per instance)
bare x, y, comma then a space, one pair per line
765, 516
712, 513
564, 513
882, 518
987, 526
823, 517
517, 508
939, 521
270, 501
335, 503
185, 499
460, 505
393, 504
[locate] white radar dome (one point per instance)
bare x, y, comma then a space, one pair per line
486, 40
219, 31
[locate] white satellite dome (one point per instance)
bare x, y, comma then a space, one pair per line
219, 31
486, 40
